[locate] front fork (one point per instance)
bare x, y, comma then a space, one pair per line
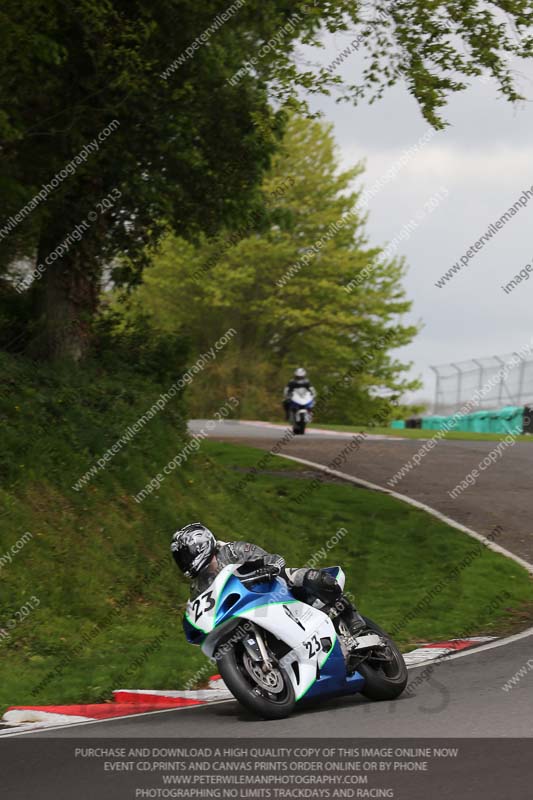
256, 649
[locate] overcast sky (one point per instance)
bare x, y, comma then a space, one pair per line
485, 160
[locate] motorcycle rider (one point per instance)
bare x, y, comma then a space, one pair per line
299, 380
201, 557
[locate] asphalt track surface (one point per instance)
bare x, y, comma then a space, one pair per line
502, 495
457, 697
462, 697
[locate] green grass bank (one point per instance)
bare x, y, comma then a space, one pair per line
109, 598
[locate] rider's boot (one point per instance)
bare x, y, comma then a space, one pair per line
324, 586
347, 611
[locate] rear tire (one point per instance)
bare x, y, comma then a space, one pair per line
383, 680
241, 686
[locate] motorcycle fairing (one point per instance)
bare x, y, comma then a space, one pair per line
315, 660
302, 398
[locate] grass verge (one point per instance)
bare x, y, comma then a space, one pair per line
110, 600
417, 433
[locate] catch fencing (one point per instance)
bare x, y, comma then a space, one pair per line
457, 382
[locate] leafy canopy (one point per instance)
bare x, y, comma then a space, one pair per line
192, 144
284, 290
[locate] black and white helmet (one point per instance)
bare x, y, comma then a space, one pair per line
300, 374
193, 547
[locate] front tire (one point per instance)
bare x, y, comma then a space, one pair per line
385, 679
250, 694
299, 428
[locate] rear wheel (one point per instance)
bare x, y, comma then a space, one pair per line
268, 694
383, 668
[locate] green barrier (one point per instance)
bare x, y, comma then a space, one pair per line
434, 423
462, 423
479, 421
516, 420
508, 420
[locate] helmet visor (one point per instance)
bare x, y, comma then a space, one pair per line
184, 559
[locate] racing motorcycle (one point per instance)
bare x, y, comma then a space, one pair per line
274, 651
301, 402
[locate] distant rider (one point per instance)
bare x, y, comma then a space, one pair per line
201, 557
298, 381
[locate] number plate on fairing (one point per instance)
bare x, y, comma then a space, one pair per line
201, 611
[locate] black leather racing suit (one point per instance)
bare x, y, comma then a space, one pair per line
307, 584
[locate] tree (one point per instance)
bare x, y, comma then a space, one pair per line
165, 152
307, 289
189, 88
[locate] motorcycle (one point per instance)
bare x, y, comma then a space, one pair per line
273, 651
301, 402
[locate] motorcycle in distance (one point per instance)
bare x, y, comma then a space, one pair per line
301, 403
273, 651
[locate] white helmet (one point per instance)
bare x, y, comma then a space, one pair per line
300, 374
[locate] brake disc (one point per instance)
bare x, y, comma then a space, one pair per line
271, 681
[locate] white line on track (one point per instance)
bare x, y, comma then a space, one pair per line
322, 431
376, 487
470, 652
482, 647
114, 719
417, 504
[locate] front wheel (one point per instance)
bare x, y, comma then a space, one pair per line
299, 427
383, 669
270, 695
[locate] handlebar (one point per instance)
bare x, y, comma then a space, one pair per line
258, 575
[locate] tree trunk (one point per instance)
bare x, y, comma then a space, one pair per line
70, 303
68, 299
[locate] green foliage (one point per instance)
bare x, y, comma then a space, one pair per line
100, 565
55, 423
302, 286
157, 356
98, 562
192, 142
68, 72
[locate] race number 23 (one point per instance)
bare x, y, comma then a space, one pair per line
313, 646
202, 604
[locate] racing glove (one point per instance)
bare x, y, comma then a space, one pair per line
274, 561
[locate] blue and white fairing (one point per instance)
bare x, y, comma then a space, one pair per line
302, 398
315, 663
